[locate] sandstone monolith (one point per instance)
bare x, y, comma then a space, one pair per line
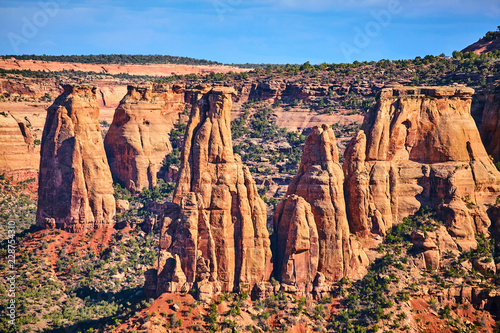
320, 182
75, 184
139, 137
419, 146
218, 229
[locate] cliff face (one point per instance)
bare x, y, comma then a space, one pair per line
75, 185
418, 147
488, 121
295, 243
219, 231
320, 182
18, 158
138, 139
287, 91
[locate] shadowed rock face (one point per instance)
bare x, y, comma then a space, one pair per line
320, 182
296, 248
17, 149
219, 232
75, 185
489, 122
420, 147
138, 139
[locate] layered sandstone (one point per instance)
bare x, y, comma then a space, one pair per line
75, 184
18, 158
218, 230
139, 137
320, 182
418, 147
295, 243
433, 246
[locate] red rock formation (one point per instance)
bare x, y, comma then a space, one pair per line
266, 91
420, 147
138, 139
18, 158
320, 182
296, 246
489, 124
433, 245
220, 232
75, 185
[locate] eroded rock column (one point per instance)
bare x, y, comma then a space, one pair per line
75, 184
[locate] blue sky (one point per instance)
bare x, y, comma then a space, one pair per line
237, 31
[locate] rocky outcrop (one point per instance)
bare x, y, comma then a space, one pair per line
419, 147
320, 182
75, 185
266, 91
138, 139
295, 243
218, 229
18, 158
432, 246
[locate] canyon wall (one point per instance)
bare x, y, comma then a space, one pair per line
487, 115
19, 156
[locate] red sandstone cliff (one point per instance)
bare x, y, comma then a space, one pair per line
295, 245
488, 119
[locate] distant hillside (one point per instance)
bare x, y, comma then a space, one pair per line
115, 59
489, 43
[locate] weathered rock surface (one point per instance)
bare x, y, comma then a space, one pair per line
433, 245
218, 229
295, 243
18, 158
138, 139
320, 182
489, 122
419, 147
75, 184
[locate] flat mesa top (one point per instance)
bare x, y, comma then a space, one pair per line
426, 91
224, 90
76, 87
